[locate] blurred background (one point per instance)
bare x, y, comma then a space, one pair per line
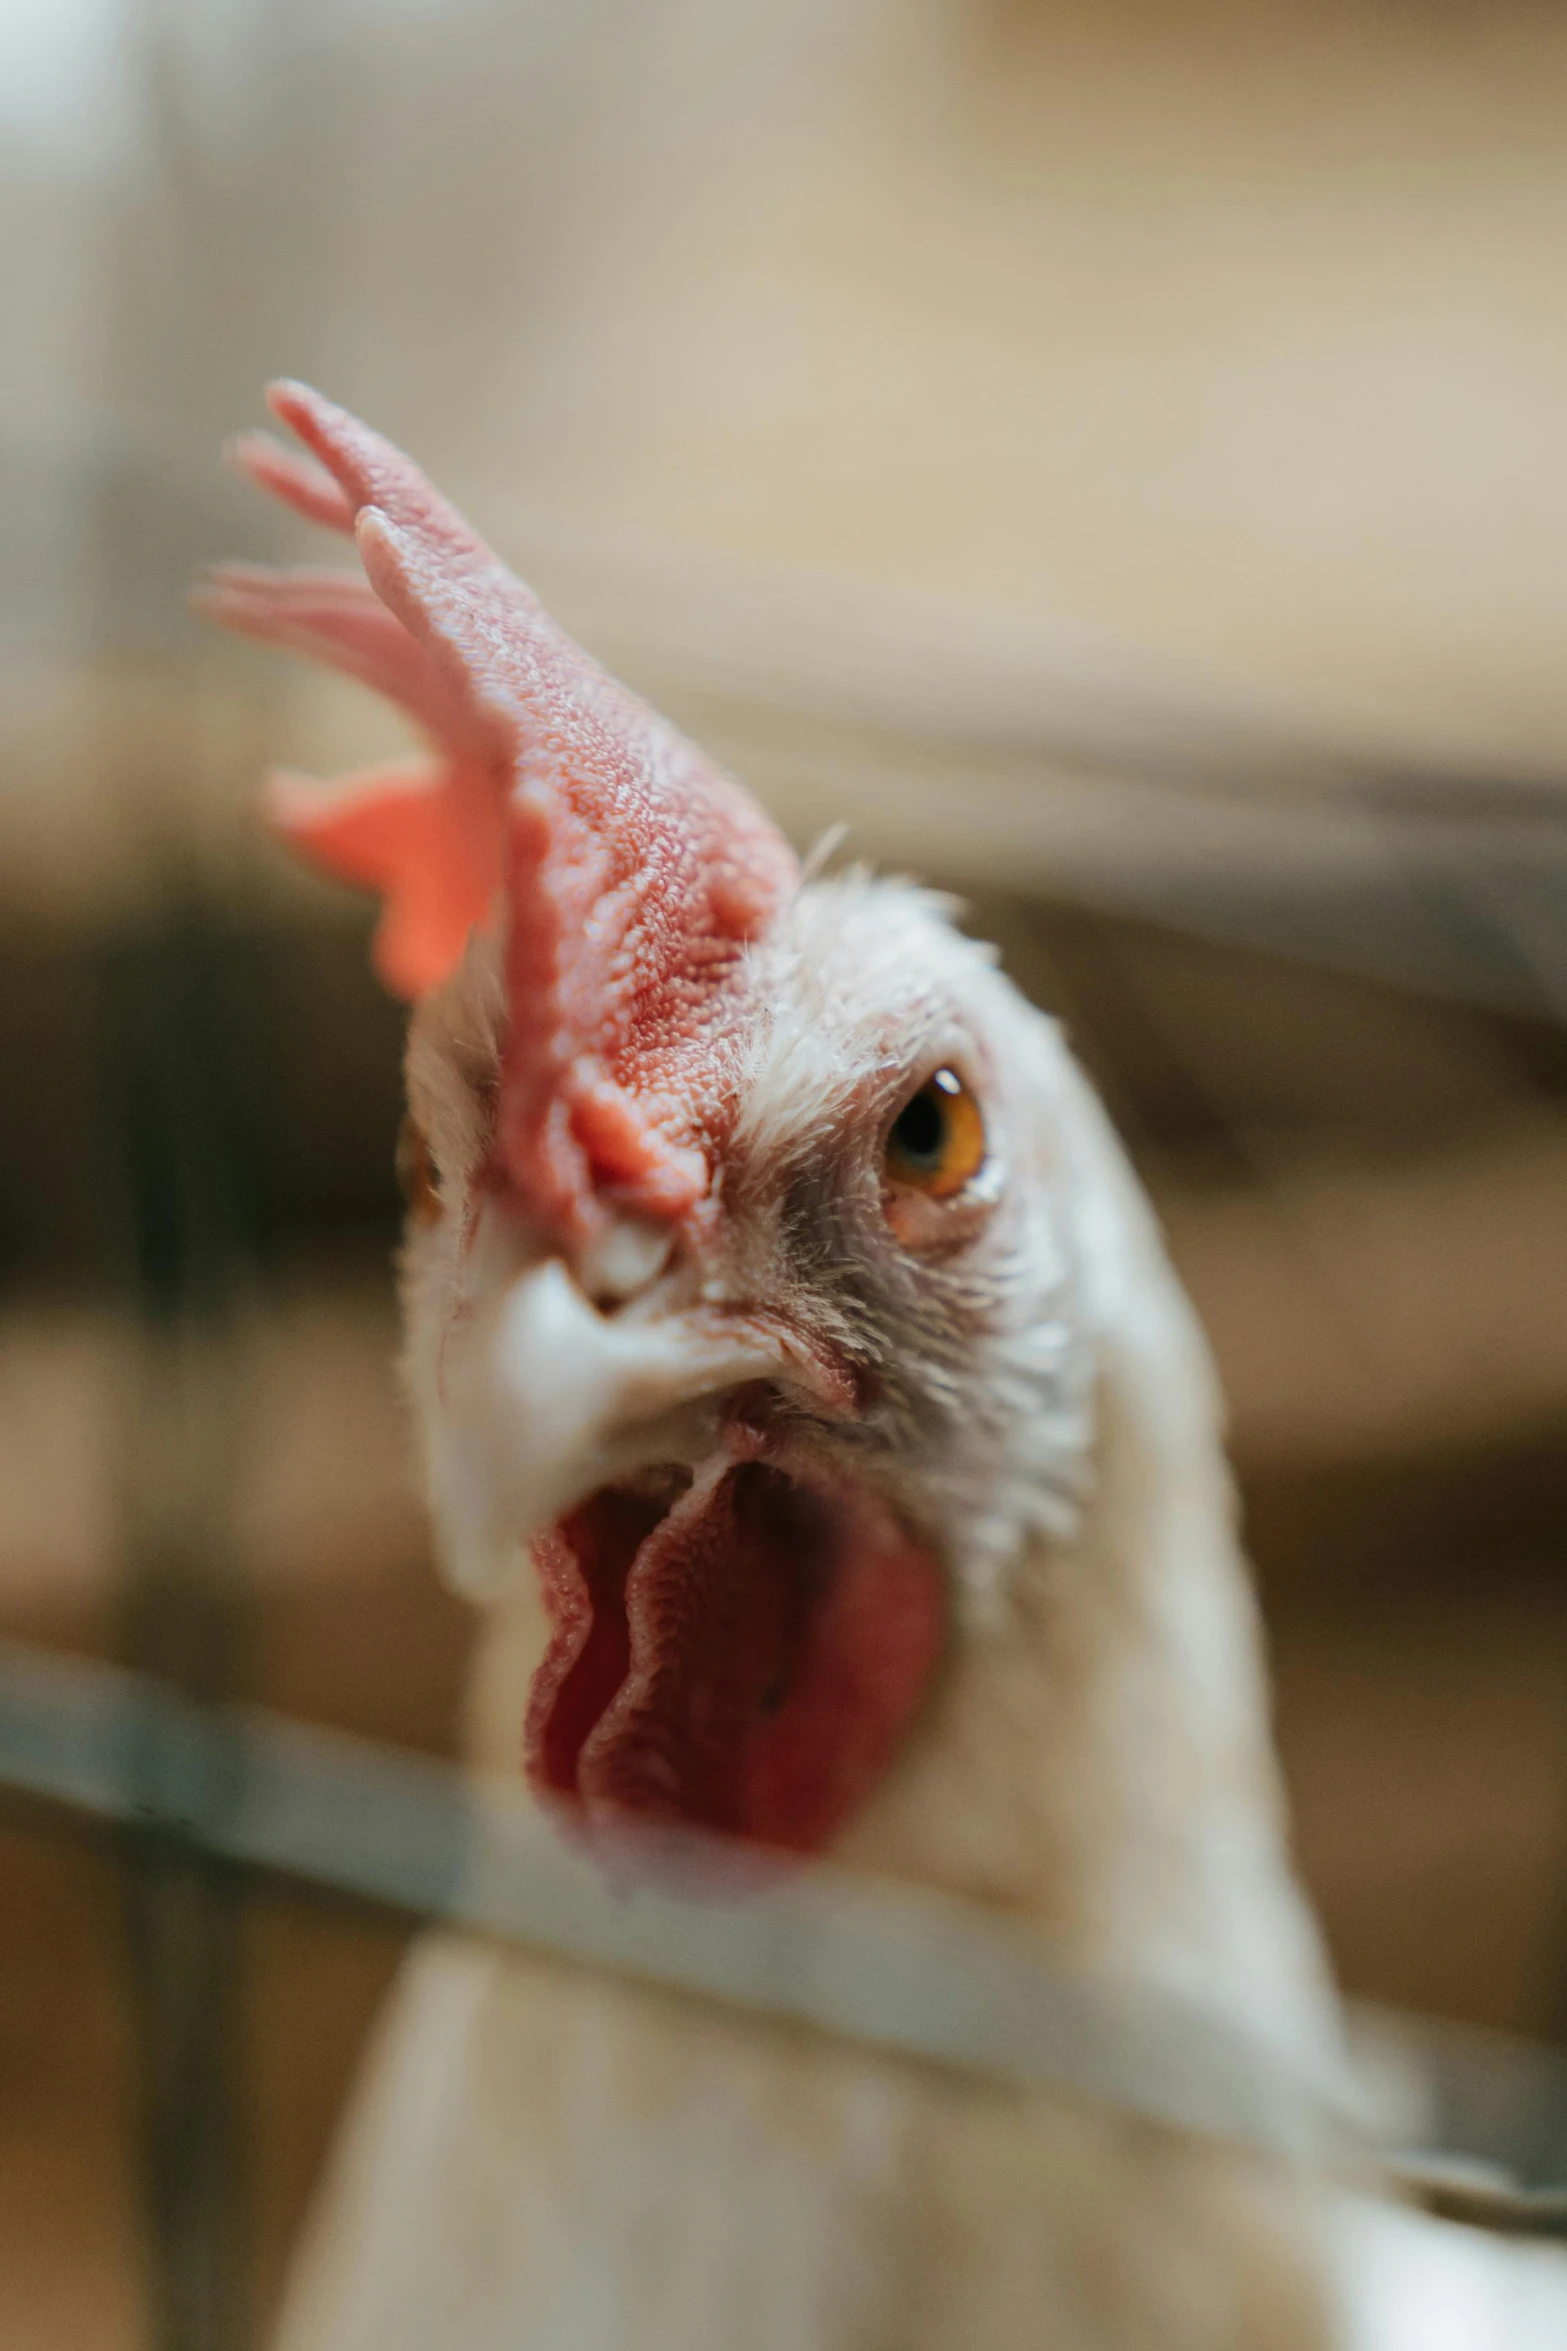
1111, 458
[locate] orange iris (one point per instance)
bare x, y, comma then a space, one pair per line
937, 1143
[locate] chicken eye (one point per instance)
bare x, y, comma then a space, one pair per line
937, 1142
416, 1178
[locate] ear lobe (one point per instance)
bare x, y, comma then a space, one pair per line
632, 875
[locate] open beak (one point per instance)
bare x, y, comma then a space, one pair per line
739, 1626
545, 1397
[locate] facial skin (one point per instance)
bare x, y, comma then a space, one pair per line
871, 1315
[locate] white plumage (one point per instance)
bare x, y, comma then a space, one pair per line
832, 1386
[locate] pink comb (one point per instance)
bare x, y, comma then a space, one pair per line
629, 874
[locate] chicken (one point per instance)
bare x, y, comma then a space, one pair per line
806, 1397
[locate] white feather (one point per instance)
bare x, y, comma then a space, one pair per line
540, 2161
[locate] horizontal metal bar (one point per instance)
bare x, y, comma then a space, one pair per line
891, 1967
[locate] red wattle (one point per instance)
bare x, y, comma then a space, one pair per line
745, 1661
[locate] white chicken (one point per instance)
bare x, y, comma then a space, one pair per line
806, 1394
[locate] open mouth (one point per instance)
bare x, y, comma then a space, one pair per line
740, 1650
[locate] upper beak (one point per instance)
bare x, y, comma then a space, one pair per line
544, 1399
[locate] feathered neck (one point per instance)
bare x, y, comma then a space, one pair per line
1099, 1760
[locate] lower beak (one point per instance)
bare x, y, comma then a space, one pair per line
544, 1399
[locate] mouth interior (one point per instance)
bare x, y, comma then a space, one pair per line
738, 1651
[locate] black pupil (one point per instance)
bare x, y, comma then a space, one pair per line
921, 1126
